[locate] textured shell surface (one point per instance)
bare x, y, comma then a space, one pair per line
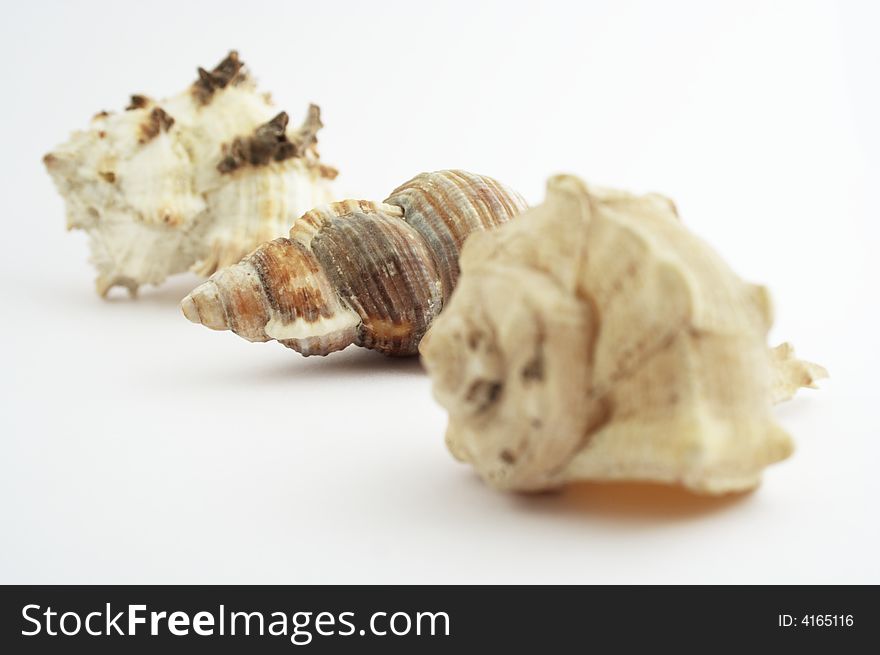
375, 274
192, 182
597, 338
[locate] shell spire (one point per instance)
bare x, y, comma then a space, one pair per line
363, 272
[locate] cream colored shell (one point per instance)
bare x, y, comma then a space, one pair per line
159, 190
596, 338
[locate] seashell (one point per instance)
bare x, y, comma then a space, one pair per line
596, 338
195, 181
357, 271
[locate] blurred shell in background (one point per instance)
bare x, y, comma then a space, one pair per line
192, 182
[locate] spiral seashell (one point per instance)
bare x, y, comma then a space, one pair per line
362, 272
195, 181
596, 338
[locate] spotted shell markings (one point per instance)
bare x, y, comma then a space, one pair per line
157, 121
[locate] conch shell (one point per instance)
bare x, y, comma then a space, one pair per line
596, 338
195, 181
369, 273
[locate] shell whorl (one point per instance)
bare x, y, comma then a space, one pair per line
373, 274
447, 206
381, 269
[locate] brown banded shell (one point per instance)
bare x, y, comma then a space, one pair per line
373, 274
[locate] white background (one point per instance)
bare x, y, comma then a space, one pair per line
139, 448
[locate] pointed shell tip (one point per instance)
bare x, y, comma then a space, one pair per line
189, 309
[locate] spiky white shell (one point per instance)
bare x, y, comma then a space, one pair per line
147, 188
596, 338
